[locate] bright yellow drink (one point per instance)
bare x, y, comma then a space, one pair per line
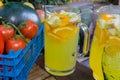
106, 33
60, 46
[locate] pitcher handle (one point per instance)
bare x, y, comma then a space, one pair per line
86, 43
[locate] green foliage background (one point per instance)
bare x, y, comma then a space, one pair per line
54, 2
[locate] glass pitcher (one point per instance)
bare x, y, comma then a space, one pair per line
107, 32
61, 39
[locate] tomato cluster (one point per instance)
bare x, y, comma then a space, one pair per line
12, 37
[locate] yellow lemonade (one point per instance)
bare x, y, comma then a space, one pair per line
106, 32
61, 39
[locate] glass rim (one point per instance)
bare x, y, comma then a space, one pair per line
110, 9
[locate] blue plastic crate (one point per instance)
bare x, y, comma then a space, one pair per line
17, 65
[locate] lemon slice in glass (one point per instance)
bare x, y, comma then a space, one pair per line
64, 19
114, 46
113, 50
107, 17
65, 32
113, 40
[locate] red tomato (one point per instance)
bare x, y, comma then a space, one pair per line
1, 44
8, 32
29, 29
15, 44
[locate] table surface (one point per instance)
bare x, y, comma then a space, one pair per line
38, 72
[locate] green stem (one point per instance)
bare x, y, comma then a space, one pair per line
15, 37
5, 24
19, 32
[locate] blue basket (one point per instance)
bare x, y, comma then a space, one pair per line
17, 65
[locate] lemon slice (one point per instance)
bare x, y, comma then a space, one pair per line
113, 40
65, 32
113, 50
74, 17
62, 29
107, 17
64, 19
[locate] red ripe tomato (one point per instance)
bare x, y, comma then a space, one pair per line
1, 44
15, 44
29, 29
7, 31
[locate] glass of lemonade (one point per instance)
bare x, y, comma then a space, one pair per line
61, 38
107, 32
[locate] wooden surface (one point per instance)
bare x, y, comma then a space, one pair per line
38, 72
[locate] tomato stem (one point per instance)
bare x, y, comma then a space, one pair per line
19, 32
6, 25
